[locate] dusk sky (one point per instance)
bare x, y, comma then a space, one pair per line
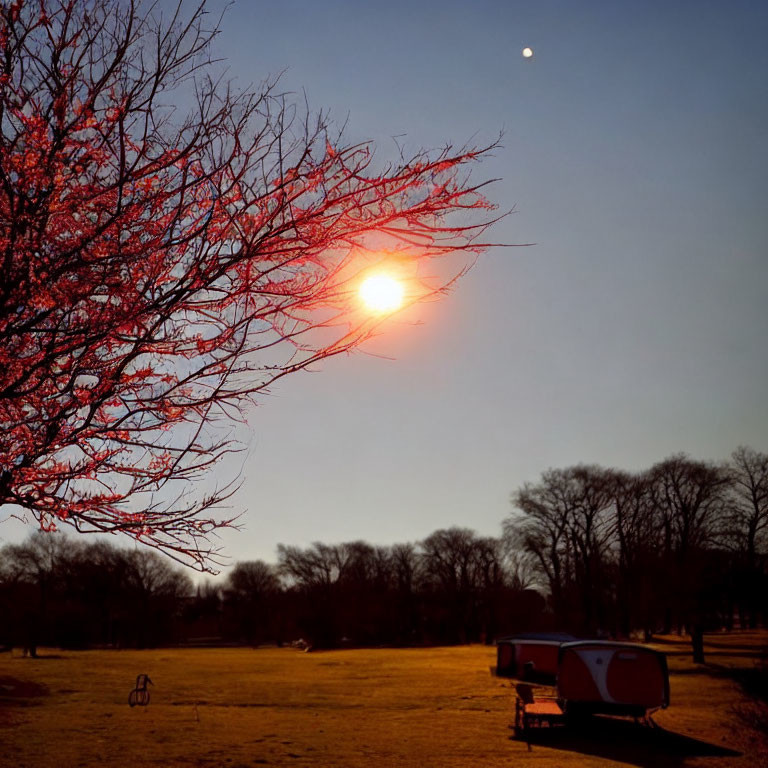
635, 155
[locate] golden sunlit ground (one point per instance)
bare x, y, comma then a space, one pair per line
386, 707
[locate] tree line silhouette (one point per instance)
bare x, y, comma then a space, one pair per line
595, 551
453, 587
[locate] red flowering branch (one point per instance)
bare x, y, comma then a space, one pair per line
158, 271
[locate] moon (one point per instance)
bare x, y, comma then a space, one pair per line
381, 293
527, 53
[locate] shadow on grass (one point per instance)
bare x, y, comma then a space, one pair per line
626, 742
20, 693
748, 647
754, 683
753, 654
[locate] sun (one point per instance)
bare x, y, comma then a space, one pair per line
381, 293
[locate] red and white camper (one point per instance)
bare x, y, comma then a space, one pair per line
591, 677
600, 677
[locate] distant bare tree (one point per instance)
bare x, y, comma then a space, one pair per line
316, 566
748, 472
407, 575
591, 529
463, 572
313, 575
568, 525
252, 578
748, 521
636, 528
250, 593
689, 498
520, 564
154, 591
542, 529
35, 569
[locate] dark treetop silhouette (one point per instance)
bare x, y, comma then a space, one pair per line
159, 268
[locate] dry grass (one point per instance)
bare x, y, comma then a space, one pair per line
405, 708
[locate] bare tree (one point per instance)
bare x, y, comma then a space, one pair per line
34, 568
591, 530
637, 534
250, 594
406, 575
464, 574
689, 498
567, 523
158, 268
542, 530
748, 472
748, 526
312, 576
153, 594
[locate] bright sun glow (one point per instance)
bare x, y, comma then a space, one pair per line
381, 293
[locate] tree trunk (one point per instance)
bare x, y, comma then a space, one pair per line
697, 643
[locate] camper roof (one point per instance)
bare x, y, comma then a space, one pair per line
549, 637
608, 644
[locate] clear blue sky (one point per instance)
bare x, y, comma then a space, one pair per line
636, 155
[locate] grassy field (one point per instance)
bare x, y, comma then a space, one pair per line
412, 708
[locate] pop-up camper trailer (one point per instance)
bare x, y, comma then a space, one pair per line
598, 677
529, 656
591, 677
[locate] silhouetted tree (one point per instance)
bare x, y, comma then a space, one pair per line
637, 544
365, 593
747, 520
463, 575
407, 576
34, 569
311, 575
250, 601
565, 523
591, 527
688, 496
90, 584
154, 593
542, 529
204, 618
